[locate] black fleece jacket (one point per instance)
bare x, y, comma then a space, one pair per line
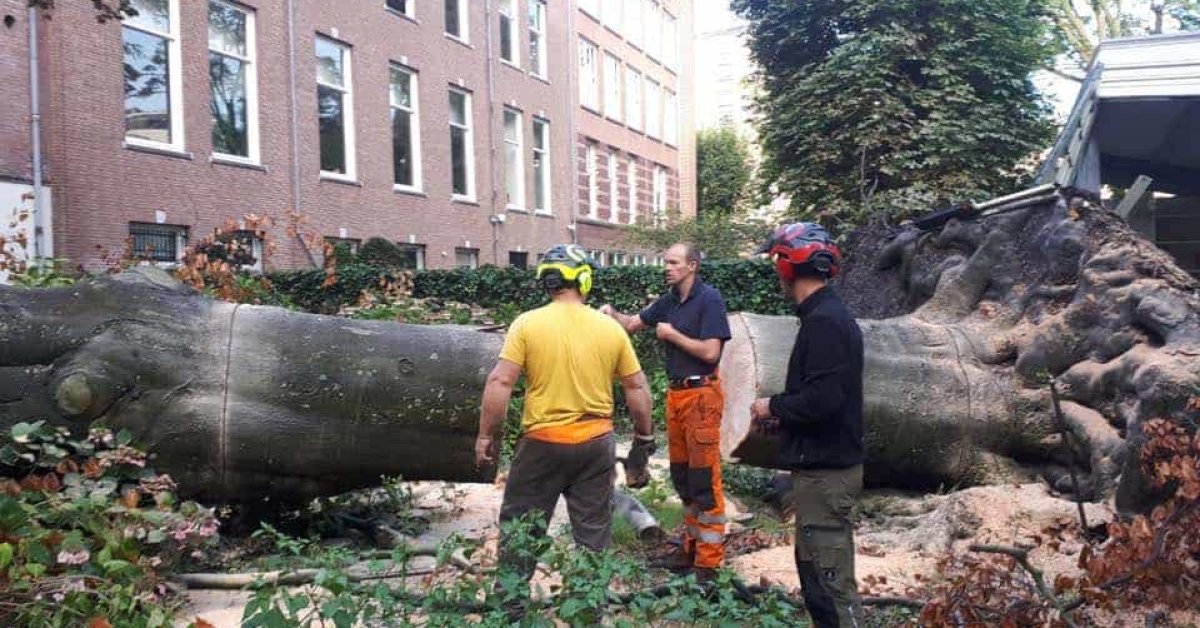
821, 406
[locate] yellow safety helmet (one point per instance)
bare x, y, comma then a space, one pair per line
566, 264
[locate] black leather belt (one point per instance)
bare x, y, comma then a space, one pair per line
695, 381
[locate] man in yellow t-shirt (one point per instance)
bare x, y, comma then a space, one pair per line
570, 355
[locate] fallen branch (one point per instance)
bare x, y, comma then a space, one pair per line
1039, 579
893, 601
234, 581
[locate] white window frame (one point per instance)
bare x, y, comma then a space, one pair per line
671, 118
410, 9
613, 82
250, 63
347, 90
593, 190
464, 22
516, 198
653, 110
631, 179
414, 112
659, 195
472, 256
634, 105
537, 34
513, 13
541, 147
175, 80
614, 186
652, 23
589, 80
469, 138
633, 22
181, 242
671, 41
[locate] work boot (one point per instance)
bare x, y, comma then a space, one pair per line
678, 561
705, 575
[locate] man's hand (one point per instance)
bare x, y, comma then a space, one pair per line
486, 449
637, 464
763, 422
665, 332
608, 310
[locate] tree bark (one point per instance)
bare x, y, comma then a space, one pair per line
242, 402
976, 318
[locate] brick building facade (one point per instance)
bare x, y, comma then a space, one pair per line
297, 107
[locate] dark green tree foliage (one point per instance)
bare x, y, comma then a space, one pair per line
723, 164
718, 235
896, 105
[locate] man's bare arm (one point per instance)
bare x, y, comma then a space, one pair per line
496, 394
708, 350
632, 323
637, 397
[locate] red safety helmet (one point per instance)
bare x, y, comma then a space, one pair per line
799, 244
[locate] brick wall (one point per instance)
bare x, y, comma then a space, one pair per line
102, 185
15, 156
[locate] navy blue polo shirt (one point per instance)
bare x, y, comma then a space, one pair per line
701, 316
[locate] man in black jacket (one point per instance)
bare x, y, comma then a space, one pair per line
820, 415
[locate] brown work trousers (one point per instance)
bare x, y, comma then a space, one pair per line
540, 472
823, 500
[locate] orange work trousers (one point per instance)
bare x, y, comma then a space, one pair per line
694, 444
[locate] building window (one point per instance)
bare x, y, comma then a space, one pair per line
412, 256
456, 19
631, 178
514, 156
633, 98
158, 243
466, 258
653, 109
153, 94
589, 76
351, 245
614, 188
671, 119
232, 77
659, 199
659, 261
591, 7
509, 39
403, 7
462, 149
537, 37
639, 260
652, 21
243, 249
600, 257
612, 86
518, 259
541, 165
406, 130
633, 21
671, 41
335, 108
593, 191
617, 258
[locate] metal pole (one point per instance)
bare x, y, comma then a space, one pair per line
35, 123
491, 131
1004, 200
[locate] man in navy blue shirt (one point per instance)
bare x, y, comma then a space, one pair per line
691, 322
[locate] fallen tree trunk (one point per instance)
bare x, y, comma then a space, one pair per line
242, 402
975, 320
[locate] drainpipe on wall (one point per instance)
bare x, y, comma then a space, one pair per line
291, 28
35, 131
572, 108
491, 99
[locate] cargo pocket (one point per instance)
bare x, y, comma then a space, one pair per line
703, 455
833, 558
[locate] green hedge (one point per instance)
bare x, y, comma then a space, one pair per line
748, 286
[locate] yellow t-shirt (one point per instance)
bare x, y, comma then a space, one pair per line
570, 354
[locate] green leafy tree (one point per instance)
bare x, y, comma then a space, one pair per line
896, 105
719, 236
723, 166
1081, 25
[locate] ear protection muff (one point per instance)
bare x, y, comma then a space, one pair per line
584, 282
